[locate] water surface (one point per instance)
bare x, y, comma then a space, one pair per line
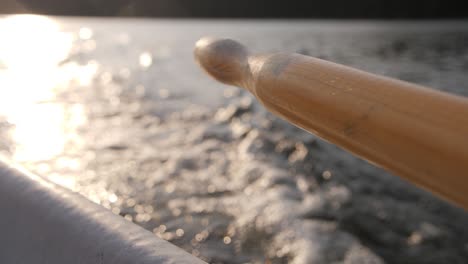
117, 110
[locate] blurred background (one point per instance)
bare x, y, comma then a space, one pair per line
243, 8
104, 98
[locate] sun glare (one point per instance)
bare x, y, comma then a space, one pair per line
32, 49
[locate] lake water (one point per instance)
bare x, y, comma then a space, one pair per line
117, 110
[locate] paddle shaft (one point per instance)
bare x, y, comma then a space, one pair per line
415, 132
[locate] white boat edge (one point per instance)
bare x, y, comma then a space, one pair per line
41, 222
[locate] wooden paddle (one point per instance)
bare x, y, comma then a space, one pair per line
416, 132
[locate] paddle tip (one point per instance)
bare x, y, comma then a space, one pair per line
224, 59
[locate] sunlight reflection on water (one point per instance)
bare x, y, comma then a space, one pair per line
32, 50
